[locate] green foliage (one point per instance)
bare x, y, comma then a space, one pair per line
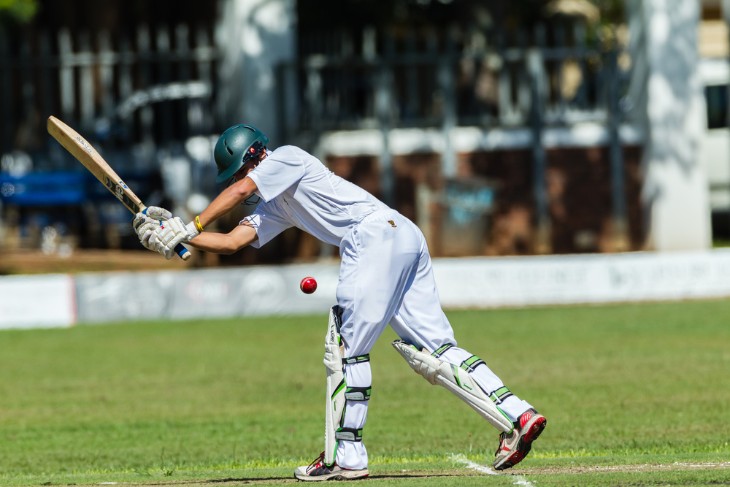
611, 10
624, 388
18, 10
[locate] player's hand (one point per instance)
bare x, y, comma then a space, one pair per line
158, 213
146, 222
167, 236
144, 226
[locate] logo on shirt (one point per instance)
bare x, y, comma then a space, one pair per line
392, 223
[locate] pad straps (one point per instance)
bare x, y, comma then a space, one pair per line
356, 360
441, 350
500, 395
358, 393
472, 363
348, 434
353, 394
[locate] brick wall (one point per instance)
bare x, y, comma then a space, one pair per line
579, 195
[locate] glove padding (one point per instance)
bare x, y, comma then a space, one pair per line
158, 213
168, 234
144, 226
145, 223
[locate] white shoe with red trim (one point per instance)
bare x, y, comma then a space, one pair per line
515, 446
317, 470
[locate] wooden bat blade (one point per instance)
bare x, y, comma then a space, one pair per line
85, 153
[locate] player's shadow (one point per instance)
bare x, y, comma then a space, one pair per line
250, 480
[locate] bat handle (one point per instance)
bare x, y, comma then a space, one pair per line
181, 251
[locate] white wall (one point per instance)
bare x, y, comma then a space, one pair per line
44, 301
667, 95
254, 35
58, 300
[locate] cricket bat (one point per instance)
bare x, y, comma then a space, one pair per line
92, 160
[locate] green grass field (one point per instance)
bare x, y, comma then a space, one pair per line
634, 395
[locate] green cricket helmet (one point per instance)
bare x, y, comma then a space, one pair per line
235, 147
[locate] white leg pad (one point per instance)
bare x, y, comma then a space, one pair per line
456, 380
335, 401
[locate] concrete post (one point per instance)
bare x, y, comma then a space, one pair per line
667, 94
254, 37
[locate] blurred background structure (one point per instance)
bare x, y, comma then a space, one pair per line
500, 127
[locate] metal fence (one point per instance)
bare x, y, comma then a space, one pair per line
137, 93
139, 97
149, 87
554, 75
416, 79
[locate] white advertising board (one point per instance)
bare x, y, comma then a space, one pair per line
206, 293
43, 301
594, 278
481, 282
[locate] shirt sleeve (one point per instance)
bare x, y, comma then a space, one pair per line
278, 172
267, 222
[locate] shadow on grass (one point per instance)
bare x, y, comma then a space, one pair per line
244, 480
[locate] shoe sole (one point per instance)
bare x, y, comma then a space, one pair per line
354, 475
525, 445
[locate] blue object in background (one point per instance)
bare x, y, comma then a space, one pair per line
43, 189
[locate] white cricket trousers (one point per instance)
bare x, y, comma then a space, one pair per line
386, 277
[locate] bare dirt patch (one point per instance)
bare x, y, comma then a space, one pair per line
23, 261
582, 469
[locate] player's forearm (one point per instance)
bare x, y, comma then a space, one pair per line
221, 205
217, 243
228, 199
225, 243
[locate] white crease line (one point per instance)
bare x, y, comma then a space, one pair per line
474, 466
518, 479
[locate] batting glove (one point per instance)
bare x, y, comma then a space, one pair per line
158, 213
169, 234
145, 226
146, 222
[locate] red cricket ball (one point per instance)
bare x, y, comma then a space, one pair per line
308, 285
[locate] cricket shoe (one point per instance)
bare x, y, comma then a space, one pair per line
515, 446
317, 470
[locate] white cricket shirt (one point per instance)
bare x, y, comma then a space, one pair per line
299, 191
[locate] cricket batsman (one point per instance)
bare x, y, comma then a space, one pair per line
385, 278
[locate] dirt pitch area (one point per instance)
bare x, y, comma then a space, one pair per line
676, 466
525, 477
